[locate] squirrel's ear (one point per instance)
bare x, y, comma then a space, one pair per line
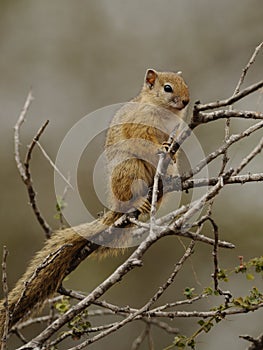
150, 77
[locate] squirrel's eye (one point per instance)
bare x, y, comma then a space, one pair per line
168, 88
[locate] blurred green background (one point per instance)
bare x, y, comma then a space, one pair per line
83, 55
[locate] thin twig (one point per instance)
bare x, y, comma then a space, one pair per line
33, 143
179, 303
61, 205
29, 183
20, 336
29, 322
162, 325
114, 309
257, 343
229, 101
215, 275
6, 305
24, 170
245, 70
236, 91
53, 165
204, 314
75, 333
139, 340
249, 157
163, 163
208, 117
157, 177
196, 237
189, 251
20, 121
237, 179
215, 253
150, 340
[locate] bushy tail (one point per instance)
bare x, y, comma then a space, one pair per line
47, 270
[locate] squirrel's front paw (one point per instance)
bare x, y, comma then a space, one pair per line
165, 146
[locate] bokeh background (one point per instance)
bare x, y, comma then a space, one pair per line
83, 55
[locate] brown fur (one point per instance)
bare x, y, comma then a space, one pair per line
131, 149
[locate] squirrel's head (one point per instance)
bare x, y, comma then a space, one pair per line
166, 89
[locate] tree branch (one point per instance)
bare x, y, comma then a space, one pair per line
229, 101
4, 332
29, 184
257, 344
24, 170
245, 70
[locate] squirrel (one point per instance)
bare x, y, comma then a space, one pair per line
136, 133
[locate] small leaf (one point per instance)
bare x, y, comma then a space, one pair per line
63, 305
222, 275
191, 344
180, 341
208, 291
189, 292
238, 301
250, 276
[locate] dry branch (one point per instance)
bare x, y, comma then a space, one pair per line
257, 343
24, 170
29, 183
203, 314
247, 67
229, 101
6, 306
